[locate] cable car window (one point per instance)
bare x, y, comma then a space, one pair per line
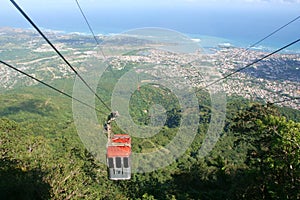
126, 162
110, 163
118, 162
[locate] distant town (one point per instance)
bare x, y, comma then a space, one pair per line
199, 70
276, 79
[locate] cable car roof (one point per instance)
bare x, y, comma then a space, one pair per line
122, 139
118, 151
120, 146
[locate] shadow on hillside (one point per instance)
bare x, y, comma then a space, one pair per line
16, 183
218, 186
34, 106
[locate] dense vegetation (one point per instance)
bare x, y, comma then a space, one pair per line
42, 157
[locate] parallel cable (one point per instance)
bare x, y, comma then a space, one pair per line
269, 35
261, 40
90, 27
50, 86
56, 50
249, 65
225, 77
275, 31
266, 37
87, 22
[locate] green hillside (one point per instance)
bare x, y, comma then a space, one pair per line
42, 157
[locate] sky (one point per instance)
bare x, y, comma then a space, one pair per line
38, 4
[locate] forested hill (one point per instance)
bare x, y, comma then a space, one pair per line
42, 157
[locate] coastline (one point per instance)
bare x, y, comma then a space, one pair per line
205, 41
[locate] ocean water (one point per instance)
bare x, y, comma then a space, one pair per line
240, 28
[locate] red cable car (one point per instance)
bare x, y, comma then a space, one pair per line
118, 157
118, 152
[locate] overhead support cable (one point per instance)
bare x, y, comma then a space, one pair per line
57, 51
249, 65
91, 29
274, 32
268, 36
50, 86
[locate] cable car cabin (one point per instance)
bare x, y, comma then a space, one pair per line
118, 157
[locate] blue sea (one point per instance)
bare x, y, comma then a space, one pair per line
240, 28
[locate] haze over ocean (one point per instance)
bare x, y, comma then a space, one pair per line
240, 26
